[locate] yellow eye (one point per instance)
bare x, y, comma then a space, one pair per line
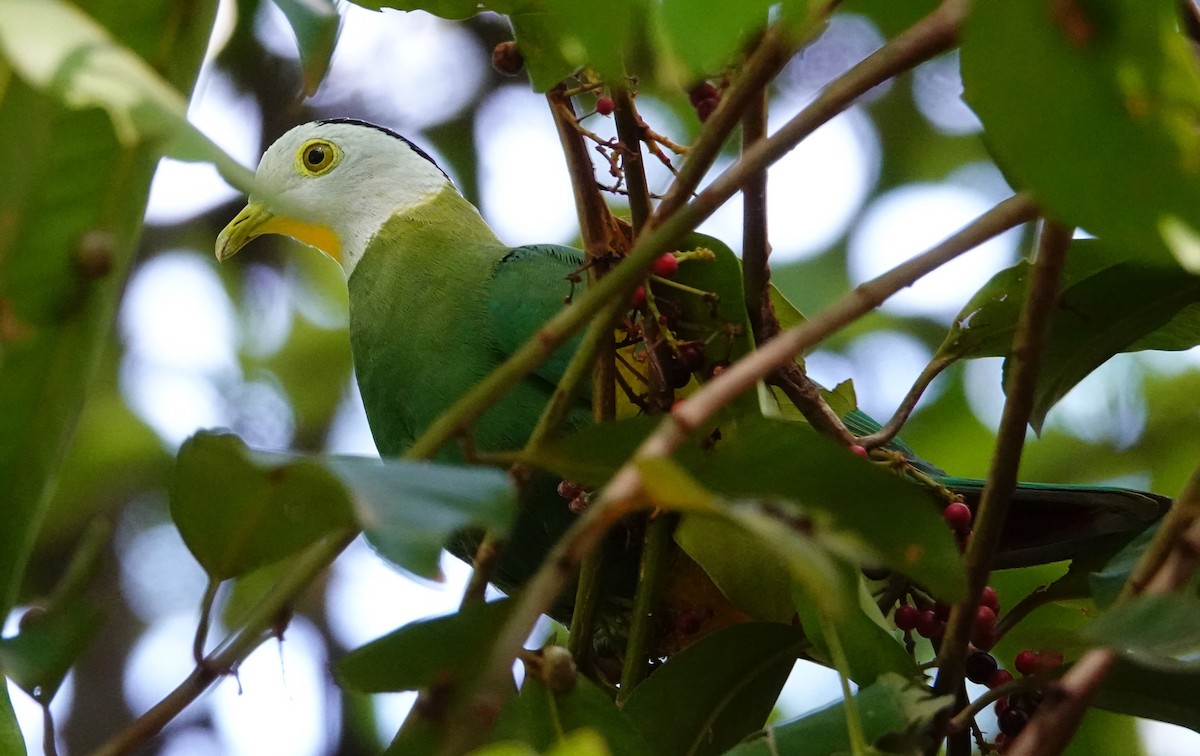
317, 156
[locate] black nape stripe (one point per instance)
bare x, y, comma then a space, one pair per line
389, 132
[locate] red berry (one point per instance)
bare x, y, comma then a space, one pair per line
1048, 660
998, 678
638, 297
1027, 662
958, 515
983, 638
990, 599
605, 106
980, 666
705, 108
859, 451
665, 266
929, 626
985, 618
689, 621
906, 617
569, 489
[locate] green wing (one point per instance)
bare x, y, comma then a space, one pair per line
529, 286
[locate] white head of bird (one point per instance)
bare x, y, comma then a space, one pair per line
332, 185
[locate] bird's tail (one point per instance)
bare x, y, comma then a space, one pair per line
1050, 523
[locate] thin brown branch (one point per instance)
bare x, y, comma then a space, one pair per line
756, 248
630, 133
907, 405
1025, 361
234, 649
774, 50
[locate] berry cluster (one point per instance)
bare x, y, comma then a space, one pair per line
704, 98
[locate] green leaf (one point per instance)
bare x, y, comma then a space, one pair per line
717, 691
1158, 631
1034, 72
60, 50
1106, 583
422, 653
11, 739
871, 649
756, 565
541, 718
761, 458
455, 10
1111, 302
891, 705
755, 575
408, 510
707, 35
73, 198
316, 24
40, 655
264, 506
238, 510
1105, 732
830, 482
1164, 695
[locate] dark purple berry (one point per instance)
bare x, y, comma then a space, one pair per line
702, 91
1012, 720
979, 667
691, 356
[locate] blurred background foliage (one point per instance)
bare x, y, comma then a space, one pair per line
259, 345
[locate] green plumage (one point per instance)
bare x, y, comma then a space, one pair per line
436, 303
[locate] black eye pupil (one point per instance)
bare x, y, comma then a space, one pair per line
316, 156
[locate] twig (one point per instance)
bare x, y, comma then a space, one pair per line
756, 285
1025, 362
767, 60
909, 403
206, 606
629, 130
483, 566
235, 648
